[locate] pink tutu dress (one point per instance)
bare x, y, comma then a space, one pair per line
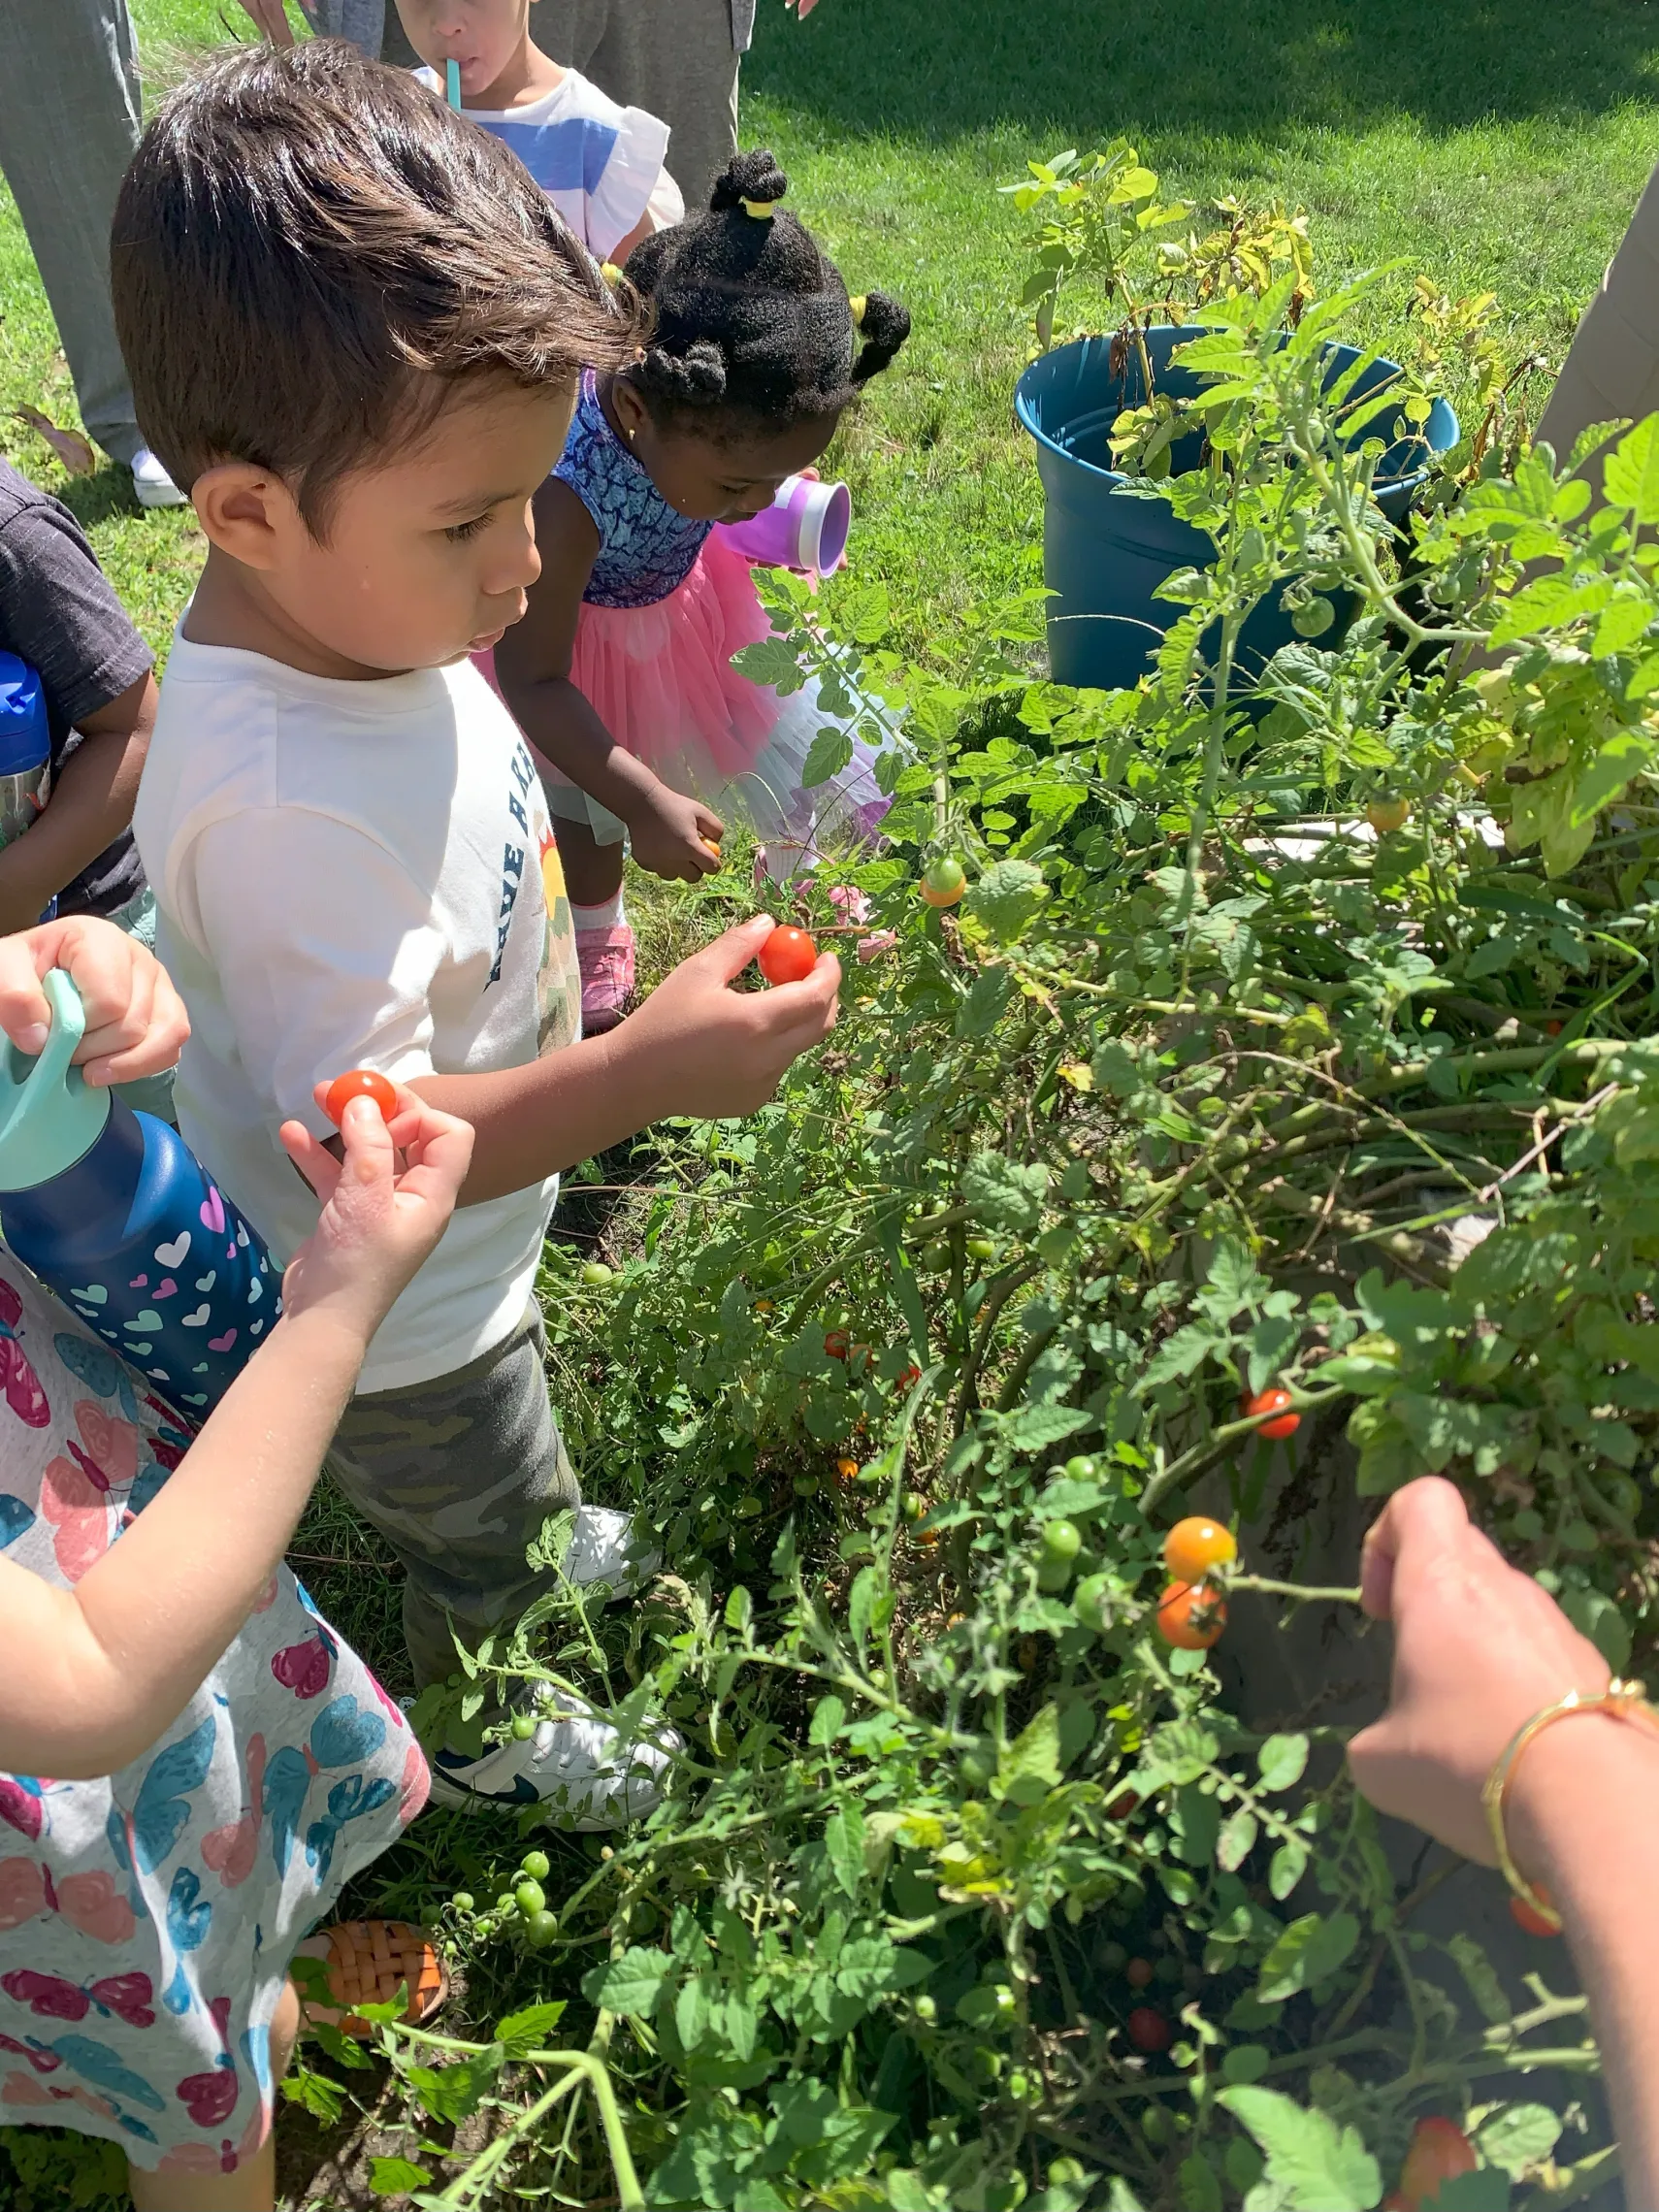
667, 603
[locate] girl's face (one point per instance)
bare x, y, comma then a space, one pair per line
710, 480
484, 37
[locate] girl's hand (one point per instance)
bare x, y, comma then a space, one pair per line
136, 1023
671, 836
715, 1052
1478, 1648
385, 1205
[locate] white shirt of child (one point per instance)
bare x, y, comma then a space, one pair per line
356, 875
600, 165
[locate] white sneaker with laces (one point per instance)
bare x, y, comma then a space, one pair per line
155, 487
605, 1547
576, 1767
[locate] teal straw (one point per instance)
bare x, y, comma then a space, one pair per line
452, 72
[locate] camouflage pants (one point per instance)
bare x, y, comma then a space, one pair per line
459, 1475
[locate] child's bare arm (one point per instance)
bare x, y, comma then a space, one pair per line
91, 1678
695, 1047
532, 664
91, 803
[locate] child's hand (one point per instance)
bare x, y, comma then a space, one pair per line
719, 1051
385, 1205
671, 836
136, 1023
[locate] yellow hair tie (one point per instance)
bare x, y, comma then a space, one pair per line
763, 210
858, 302
612, 273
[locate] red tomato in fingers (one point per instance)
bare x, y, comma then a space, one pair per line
1190, 1616
788, 956
1149, 2030
1438, 2152
1270, 1402
360, 1083
1525, 1917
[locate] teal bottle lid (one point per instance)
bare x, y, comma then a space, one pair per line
50, 1116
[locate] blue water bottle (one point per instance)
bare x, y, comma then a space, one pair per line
114, 1212
25, 751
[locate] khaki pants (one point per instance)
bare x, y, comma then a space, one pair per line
1613, 367
677, 59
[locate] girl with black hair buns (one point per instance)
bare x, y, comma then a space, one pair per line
620, 673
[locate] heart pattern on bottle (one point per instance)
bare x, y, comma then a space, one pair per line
170, 1255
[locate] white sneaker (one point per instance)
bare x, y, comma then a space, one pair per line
578, 1768
604, 1548
155, 487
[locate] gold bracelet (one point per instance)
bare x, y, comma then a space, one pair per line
1624, 1701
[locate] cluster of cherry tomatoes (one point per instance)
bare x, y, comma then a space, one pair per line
1192, 1613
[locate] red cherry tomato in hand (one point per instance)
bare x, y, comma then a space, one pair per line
1190, 1616
1525, 1917
1149, 2030
1439, 2150
1194, 1545
788, 956
360, 1083
1271, 1401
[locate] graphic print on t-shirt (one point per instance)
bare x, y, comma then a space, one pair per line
559, 985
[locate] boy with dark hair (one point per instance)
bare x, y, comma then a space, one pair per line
354, 327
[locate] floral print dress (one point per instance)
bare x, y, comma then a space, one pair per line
148, 1919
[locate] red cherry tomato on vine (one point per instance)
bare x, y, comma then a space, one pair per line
1271, 1401
835, 1343
1149, 2030
1525, 1917
788, 956
1439, 2150
360, 1083
1194, 1545
943, 882
1190, 1616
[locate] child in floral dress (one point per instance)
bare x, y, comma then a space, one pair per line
196, 1764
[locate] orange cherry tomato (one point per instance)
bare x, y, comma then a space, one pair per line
360, 1083
1271, 1401
1194, 1545
788, 956
847, 1470
1386, 815
1439, 2150
1525, 1917
1190, 1616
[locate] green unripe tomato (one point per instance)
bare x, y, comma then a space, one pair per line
1168, 1970
530, 1898
1052, 1574
462, 1901
943, 881
975, 1768
1314, 619
539, 1930
598, 1275
1061, 1539
980, 1248
1089, 1599
1067, 2172
537, 1865
1081, 1469
1112, 1958
927, 2011
523, 1726
937, 1258
506, 1904
914, 1506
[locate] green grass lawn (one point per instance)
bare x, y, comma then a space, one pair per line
1492, 145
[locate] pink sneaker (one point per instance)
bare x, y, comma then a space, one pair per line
606, 958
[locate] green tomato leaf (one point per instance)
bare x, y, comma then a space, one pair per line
396, 2177
630, 1984
1310, 1950
1283, 1759
1312, 2166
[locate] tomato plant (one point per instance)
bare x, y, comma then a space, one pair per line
360, 1083
1219, 1163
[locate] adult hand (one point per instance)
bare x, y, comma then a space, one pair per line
271, 20
715, 1052
136, 1023
670, 835
1478, 1648
385, 1203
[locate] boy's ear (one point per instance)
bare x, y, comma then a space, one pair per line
631, 408
247, 512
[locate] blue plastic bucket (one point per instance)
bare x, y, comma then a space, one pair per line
1106, 550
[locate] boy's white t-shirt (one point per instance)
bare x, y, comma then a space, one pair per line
599, 163
356, 875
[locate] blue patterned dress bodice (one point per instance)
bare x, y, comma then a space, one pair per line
647, 548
